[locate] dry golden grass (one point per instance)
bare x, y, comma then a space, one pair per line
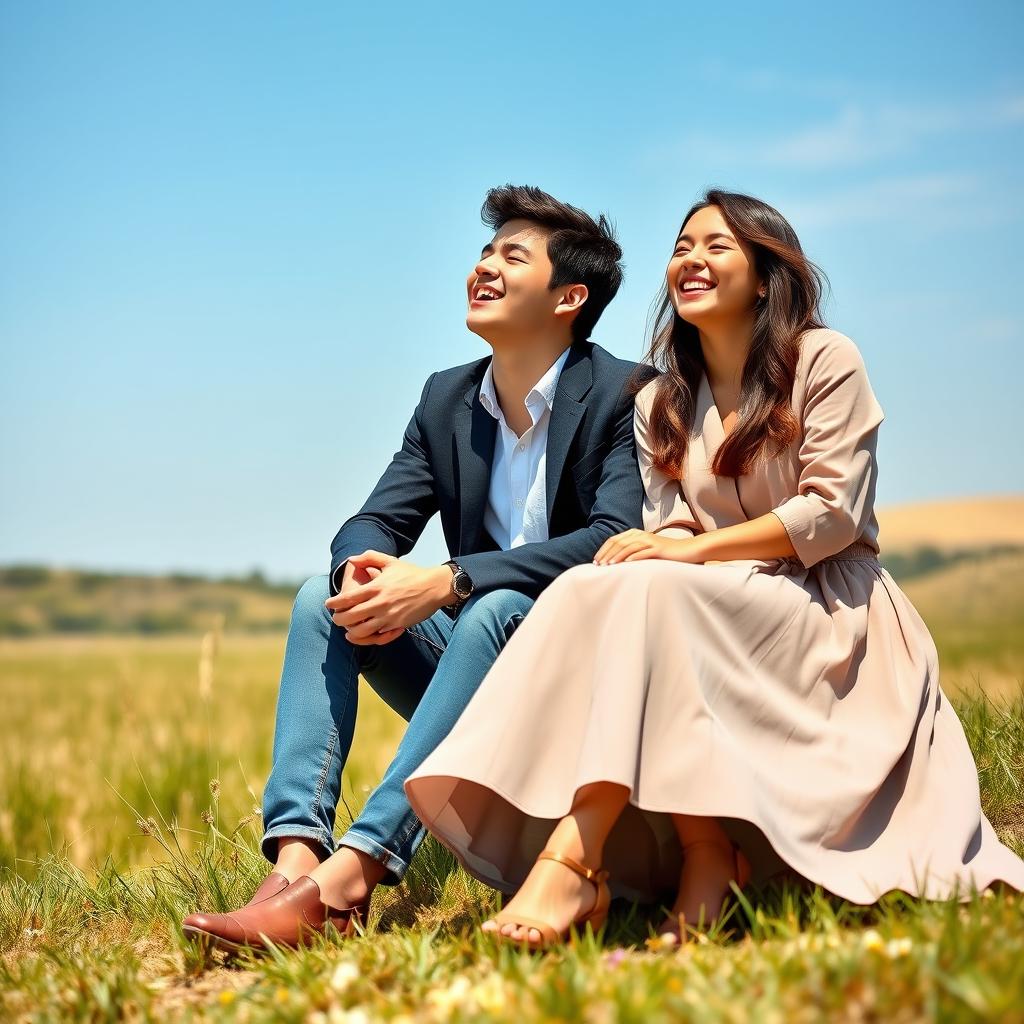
954, 524
975, 612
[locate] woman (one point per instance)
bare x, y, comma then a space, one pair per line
742, 687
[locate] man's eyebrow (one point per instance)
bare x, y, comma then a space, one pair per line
506, 247
714, 234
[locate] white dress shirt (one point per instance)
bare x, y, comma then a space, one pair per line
516, 510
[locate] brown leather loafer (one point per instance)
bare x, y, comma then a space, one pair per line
291, 918
196, 924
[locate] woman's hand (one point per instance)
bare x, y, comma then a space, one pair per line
637, 545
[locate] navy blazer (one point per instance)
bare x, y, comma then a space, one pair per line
592, 478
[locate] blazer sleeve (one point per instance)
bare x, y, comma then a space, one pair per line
838, 468
400, 505
529, 568
666, 511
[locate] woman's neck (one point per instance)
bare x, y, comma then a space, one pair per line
725, 346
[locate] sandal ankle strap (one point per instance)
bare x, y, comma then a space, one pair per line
597, 877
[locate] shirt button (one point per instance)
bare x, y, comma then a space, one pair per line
522, 447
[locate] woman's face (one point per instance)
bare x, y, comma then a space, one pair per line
711, 276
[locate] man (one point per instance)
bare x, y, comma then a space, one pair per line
529, 457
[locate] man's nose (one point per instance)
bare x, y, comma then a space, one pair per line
483, 270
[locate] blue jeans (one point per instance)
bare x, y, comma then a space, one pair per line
428, 675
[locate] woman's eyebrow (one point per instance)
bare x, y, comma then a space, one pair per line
714, 234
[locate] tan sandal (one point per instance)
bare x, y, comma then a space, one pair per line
674, 926
595, 917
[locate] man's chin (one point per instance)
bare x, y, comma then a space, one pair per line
489, 330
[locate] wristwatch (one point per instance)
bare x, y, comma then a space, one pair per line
461, 584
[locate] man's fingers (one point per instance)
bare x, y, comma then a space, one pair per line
374, 558
364, 630
351, 618
352, 598
379, 639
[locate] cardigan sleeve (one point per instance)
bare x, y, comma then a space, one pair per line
838, 470
665, 510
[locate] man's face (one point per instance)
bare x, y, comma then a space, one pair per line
507, 290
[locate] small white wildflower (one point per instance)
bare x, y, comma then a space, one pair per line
354, 1016
896, 948
344, 974
445, 1000
489, 994
872, 941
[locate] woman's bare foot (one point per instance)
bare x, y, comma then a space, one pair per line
561, 891
709, 868
552, 893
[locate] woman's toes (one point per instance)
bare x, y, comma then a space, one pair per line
509, 930
489, 926
534, 937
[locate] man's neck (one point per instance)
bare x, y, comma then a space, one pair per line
516, 369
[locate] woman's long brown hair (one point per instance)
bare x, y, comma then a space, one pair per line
766, 425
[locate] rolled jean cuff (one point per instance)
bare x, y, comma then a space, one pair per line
324, 839
395, 865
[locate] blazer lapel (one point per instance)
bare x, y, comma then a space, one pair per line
567, 409
475, 431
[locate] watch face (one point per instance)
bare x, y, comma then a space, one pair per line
461, 585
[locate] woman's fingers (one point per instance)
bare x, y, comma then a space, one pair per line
613, 545
642, 555
622, 552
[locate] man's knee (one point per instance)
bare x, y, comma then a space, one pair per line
309, 601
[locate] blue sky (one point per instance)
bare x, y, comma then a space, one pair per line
233, 237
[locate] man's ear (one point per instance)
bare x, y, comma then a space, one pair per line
572, 299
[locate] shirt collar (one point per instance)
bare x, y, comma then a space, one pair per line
541, 392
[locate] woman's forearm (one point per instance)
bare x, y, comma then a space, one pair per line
761, 538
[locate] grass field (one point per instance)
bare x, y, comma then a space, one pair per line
130, 771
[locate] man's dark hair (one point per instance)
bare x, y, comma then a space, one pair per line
581, 250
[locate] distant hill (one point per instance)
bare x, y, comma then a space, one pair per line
36, 600
961, 561
926, 537
954, 524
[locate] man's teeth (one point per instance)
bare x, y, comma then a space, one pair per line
694, 286
486, 293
